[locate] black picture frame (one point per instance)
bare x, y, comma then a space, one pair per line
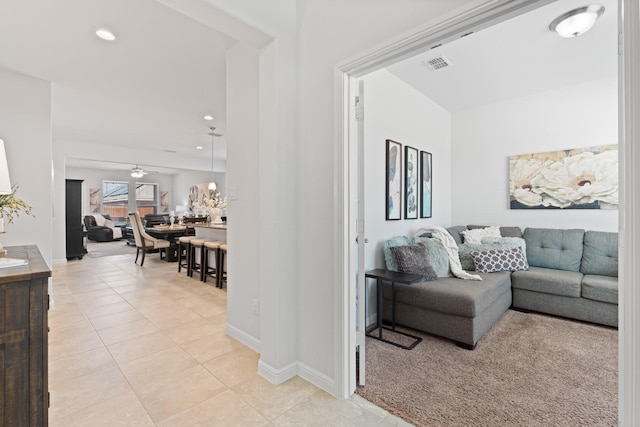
393, 176
411, 196
426, 184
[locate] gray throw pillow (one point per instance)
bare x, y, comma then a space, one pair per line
413, 259
389, 259
436, 254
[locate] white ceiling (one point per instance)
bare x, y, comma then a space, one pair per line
148, 89
516, 58
151, 87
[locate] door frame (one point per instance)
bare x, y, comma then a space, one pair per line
474, 17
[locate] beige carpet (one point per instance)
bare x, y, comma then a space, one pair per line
529, 370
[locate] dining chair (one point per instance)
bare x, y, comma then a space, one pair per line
144, 242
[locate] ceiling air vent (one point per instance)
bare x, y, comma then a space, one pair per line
437, 63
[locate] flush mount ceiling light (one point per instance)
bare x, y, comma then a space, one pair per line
208, 117
105, 34
213, 133
137, 172
577, 21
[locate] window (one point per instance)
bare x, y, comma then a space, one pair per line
115, 200
146, 198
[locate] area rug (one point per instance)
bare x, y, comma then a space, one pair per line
102, 249
528, 370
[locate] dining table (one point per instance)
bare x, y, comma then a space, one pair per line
171, 233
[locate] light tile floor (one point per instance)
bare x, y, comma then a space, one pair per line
145, 346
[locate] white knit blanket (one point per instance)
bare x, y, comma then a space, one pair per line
452, 249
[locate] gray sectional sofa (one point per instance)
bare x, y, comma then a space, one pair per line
572, 273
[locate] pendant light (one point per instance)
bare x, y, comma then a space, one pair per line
212, 184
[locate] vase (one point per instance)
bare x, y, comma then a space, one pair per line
216, 216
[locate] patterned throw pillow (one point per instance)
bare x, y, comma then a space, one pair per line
500, 260
414, 259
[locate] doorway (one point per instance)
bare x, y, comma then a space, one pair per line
364, 66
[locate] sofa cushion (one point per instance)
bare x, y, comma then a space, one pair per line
414, 259
548, 281
510, 232
455, 233
559, 249
465, 249
600, 288
389, 259
493, 260
600, 254
437, 255
452, 295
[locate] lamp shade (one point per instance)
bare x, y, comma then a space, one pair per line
212, 185
5, 182
577, 21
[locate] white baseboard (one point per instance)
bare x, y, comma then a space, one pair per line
277, 376
246, 339
317, 378
59, 261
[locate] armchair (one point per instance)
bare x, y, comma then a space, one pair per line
100, 228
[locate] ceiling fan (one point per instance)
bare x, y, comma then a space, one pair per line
137, 172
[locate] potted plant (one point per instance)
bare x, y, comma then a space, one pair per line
11, 207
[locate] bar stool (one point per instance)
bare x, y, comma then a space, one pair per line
207, 270
184, 244
222, 276
196, 243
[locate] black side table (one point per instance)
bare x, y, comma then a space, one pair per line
393, 277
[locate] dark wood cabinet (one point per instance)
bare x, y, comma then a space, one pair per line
24, 300
74, 231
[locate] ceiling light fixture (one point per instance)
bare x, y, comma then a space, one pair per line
208, 117
199, 147
105, 34
212, 184
137, 172
577, 21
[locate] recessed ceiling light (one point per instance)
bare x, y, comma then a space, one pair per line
198, 147
208, 117
105, 34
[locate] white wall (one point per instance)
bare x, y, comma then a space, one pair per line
244, 209
298, 168
332, 32
484, 137
394, 110
25, 127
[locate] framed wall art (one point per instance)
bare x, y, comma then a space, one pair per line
578, 178
426, 187
410, 183
393, 203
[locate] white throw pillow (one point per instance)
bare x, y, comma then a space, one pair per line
99, 220
476, 235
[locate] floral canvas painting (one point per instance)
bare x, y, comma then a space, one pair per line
582, 178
